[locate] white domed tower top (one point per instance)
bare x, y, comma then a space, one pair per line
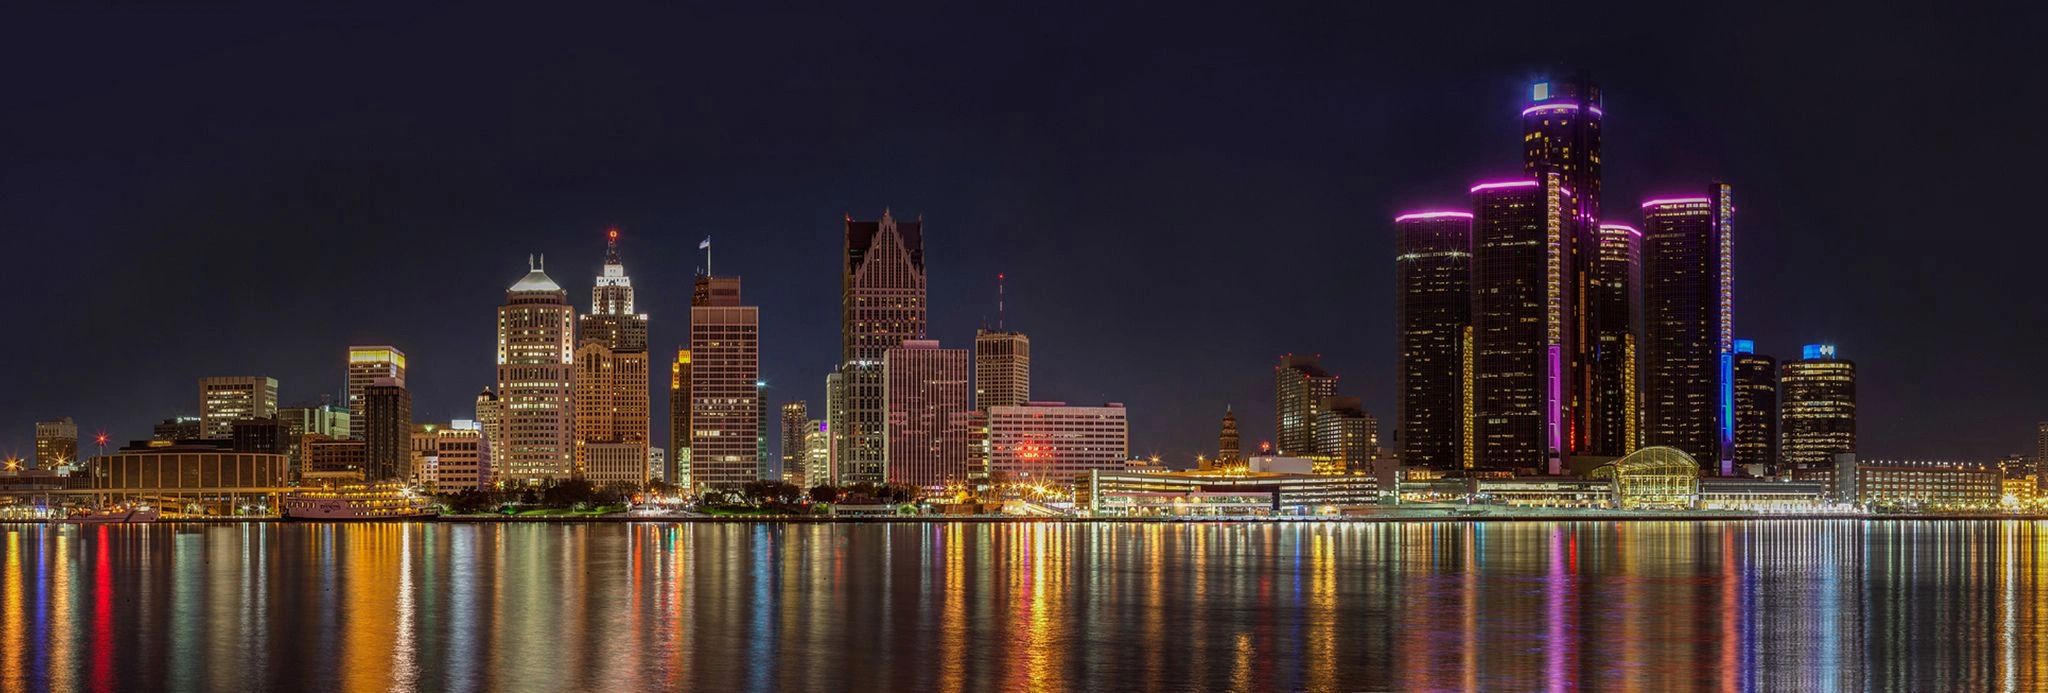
536, 278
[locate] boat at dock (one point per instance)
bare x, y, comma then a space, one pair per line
113, 516
356, 502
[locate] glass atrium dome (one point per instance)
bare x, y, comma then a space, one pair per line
1653, 477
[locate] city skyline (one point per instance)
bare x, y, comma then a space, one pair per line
1085, 273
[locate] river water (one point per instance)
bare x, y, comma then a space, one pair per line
1836, 604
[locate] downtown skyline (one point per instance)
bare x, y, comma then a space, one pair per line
1100, 277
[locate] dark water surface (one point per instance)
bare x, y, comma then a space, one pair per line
609, 606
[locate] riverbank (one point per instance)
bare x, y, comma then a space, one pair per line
984, 519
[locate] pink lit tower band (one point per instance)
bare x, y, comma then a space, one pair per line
1577, 338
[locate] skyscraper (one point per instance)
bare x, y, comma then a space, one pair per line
927, 403
367, 364
1002, 368
387, 431
1229, 452
490, 418
226, 399
678, 463
1523, 238
1689, 328
1299, 386
536, 395
1756, 408
725, 386
2041, 456
882, 306
612, 406
56, 443
611, 320
817, 454
1561, 133
1433, 308
794, 416
1610, 422
1816, 408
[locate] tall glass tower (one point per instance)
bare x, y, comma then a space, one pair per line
1689, 325
1433, 307
1523, 234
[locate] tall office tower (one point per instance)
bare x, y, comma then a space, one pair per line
1347, 434
490, 418
1756, 408
1299, 386
225, 400
536, 370
927, 403
1816, 408
794, 416
613, 420
177, 428
1002, 369
882, 306
1050, 442
817, 454
725, 386
56, 443
763, 469
677, 469
1433, 307
1522, 341
1689, 340
611, 320
1610, 424
835, 410
368, 364
1561, 133
2041, 456
387, 430
1229, 453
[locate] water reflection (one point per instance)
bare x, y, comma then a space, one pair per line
957, 607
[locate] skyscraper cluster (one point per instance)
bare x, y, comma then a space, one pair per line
1537, 326
903, 409
1310, 420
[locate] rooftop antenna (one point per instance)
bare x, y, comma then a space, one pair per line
706, 247
999, 301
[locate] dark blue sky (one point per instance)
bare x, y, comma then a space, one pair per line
1179, 193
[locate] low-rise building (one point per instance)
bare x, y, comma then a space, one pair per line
193, 478
1194, 493
1930, 484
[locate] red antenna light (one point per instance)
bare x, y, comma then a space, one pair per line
614, 234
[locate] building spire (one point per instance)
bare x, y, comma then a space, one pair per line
611, 246
999, 301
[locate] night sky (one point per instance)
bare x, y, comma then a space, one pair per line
1178, 194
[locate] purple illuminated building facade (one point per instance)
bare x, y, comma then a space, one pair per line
1433, 306
1523, 239
1689, 326
1561, 132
